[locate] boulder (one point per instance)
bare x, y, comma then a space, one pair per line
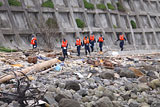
107, 75
143, 87
127, 73
154, 83
68, 103
104, 102
59, 97
72, 85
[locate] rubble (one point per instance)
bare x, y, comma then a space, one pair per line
113, 81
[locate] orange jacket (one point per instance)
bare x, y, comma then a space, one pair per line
78, 42
121, 37
86, 41
92, 37
33, 40
100, 39
64, 43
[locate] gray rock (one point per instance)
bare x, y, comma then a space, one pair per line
127, 73
154, 83
109, 94
104, 102
68, 103
155, 104
143, 87
151, 74
1, 103
116, 104
50, 98
14, 104
82, 92
107, 75
133, 103
59, 97
72, 85
143, 79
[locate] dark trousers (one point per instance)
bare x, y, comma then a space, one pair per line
78, 50
100, 46
92, 45
121, 44
92, 48
65, 53
87, 49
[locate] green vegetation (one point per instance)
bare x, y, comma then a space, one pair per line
3, 49
101, 6
133, 24
14, 3
114, 26
1, 4
120, 7
51, 23
110, 6
88, 5
48, 3
80, 23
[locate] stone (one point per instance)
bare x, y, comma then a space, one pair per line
104, 102
143, 79
155, 104
154, 83
14, 104
116, 104
72, 85
32, 59
137, 72
140, 99
109, 94
98, 93
68, 103
127, 73
143, 87
51, 88
107, 75
50, 98
133, 103
144, 105
82, 92
59, 97
151, 74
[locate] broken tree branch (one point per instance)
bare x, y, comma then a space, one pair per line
35, 68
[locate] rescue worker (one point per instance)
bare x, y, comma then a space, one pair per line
100, 40
34, 41
121, 39
64, 48
78, 44
92, 41
86, 44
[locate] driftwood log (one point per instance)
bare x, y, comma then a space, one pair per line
35, 68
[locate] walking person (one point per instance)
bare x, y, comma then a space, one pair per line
78, 44
64, 48
34, 41
121, 39
100, 40
92, 41
86, 44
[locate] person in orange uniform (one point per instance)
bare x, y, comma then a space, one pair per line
64, 48
34, 41
78, 44
100, 40
86, 44
92, 41
121, 39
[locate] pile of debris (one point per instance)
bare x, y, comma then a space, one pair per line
100, 81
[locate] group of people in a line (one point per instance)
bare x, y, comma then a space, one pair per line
88, 42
